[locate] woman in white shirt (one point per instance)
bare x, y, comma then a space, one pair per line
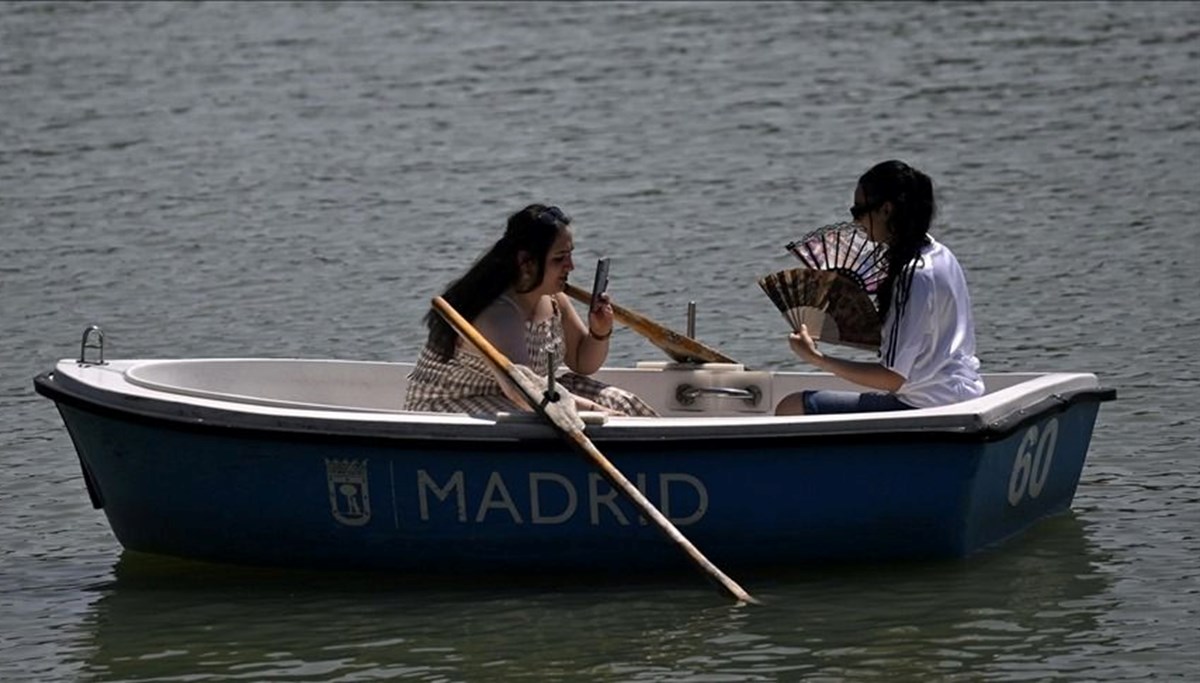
927, 357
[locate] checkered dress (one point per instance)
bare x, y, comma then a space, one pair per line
465, 383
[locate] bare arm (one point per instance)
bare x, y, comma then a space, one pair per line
501, 325
867, 374
586, 351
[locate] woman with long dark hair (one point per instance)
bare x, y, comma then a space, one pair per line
513, 295
927, 357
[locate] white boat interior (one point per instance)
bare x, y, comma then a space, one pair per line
686, 395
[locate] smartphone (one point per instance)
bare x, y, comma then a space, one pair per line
600, 284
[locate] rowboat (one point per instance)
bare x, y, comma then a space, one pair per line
315, 463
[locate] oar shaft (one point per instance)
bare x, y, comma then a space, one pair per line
575, 436
622, 483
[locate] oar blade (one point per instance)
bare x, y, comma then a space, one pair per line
679, 347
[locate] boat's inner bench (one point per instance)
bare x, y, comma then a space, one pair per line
699, 390
714, 389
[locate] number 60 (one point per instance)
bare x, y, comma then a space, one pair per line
1032, 464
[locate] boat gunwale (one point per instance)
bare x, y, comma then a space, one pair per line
454, 432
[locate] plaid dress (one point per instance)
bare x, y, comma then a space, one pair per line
465, 383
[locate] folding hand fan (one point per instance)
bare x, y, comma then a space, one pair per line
835, 308
843, 248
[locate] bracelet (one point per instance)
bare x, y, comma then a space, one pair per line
597, 337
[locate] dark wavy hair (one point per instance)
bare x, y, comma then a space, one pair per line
911, 193
533, 230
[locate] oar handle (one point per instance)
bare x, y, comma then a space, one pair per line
679, 347
575, 436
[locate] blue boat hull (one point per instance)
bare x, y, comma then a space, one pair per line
271, 497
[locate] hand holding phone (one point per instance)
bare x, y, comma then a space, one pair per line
600, 284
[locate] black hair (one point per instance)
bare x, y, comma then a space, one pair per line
533, 230
913, 207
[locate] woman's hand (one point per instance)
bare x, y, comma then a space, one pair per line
600, 318
804, 346
593, 407
868, 374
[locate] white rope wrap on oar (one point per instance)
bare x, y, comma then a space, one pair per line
562, 412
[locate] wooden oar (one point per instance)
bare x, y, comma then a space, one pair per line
679, 347
570, 428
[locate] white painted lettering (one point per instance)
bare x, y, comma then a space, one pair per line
496, 487
1031, 466
664, 489
602, 497
426, 483
535, 505
608, 500
1045, 455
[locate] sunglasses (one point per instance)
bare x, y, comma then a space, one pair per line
552, 215
860, 210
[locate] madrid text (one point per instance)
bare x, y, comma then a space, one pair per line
551, 498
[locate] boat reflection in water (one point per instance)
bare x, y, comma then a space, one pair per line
1031, 606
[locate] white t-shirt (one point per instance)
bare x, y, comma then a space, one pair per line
932, 345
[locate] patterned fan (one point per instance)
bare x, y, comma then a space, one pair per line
835, 308
843, 248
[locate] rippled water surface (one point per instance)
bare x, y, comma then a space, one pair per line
276, 179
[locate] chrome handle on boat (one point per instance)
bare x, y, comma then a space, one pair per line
686, 394
98, 345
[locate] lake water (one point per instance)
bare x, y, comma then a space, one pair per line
298, 179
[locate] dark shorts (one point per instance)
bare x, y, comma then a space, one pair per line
828, 402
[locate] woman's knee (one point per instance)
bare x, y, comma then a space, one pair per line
792, 404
